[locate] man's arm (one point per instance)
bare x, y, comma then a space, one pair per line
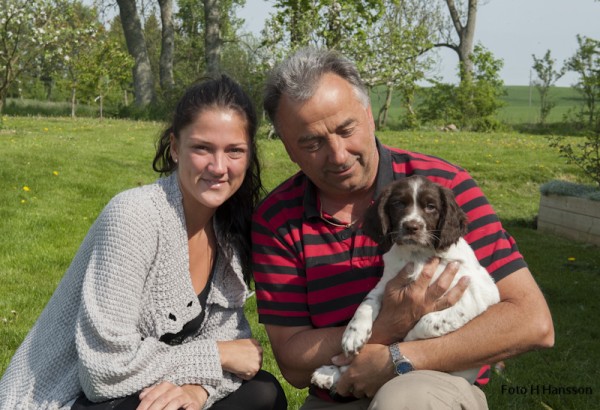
520, 322
299, 350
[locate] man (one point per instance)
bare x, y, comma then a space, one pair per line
313, 264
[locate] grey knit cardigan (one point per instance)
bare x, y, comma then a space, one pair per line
129, 284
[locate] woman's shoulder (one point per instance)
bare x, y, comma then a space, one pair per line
144, 202
153, 195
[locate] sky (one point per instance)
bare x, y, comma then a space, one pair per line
512, 30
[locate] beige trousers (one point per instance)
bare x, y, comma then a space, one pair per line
418, 390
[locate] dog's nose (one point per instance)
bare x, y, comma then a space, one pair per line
412, 226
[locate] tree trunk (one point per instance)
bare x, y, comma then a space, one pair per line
212, 37
143, 82
73, 91
167, 45
466, 35
383, 111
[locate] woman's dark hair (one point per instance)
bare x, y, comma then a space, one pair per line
234, 216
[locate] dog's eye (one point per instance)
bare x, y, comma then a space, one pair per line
398, 204
430, 207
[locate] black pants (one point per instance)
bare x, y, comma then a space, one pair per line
263, 392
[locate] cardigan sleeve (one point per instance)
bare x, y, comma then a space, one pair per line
114, 359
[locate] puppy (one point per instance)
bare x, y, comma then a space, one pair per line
413, 220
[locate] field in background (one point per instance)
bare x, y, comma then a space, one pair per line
522, 106
57, 174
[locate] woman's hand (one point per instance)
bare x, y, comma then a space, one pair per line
167, 396
242, 357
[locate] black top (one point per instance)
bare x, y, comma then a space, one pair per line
191, 327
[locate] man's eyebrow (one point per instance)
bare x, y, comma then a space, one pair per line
308, 137
345, 124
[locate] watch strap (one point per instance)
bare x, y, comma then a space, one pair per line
402, 364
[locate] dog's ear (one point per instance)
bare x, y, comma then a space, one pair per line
453, 222
376, 223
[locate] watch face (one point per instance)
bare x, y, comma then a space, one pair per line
403, 367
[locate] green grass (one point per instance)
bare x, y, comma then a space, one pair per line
72, 168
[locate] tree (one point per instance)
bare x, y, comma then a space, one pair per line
479, 98
547, 77
143, 79
472, 104
212, 36
28, 33
79, 33
463, 23
586, 63
393, 56
167, 47
196, 48
102, 68
323, 23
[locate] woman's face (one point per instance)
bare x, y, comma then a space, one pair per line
212, 155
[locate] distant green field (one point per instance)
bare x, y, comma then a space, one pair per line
522, 105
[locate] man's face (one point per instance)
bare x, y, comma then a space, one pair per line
331, 137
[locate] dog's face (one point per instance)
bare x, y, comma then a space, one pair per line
415, 211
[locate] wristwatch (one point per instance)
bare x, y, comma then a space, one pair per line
402, 364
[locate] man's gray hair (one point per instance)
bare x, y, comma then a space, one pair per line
298, 77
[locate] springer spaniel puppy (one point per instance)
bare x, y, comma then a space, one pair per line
415, 219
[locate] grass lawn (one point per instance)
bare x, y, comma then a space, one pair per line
57, 174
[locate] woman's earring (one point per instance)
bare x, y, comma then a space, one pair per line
175, 160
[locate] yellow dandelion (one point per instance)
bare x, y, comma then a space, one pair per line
45, 129
571, 259
26, 188
55, 173
23, 201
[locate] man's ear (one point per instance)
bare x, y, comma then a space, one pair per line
289, 152
285, 145
370, 118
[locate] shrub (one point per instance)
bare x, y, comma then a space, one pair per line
585, 155
565, 188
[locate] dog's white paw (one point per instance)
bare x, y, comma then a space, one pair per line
326, 377
356, 335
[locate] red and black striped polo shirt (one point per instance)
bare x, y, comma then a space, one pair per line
311, 273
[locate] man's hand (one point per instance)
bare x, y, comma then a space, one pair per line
167, 396
404, 302
366, 373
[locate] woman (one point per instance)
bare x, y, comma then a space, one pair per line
150, 313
